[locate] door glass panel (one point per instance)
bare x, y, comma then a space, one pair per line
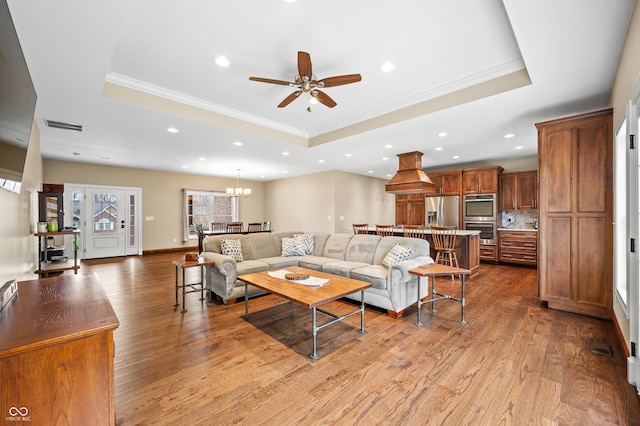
132, 221
105, 213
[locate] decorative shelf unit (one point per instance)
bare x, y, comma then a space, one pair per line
47, 266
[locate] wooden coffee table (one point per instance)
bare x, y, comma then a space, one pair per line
308, 296
434, 270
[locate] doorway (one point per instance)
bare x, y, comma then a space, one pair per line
108, 218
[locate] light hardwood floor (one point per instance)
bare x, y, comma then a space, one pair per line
515, 362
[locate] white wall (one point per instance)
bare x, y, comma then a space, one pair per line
328, 202
18, 216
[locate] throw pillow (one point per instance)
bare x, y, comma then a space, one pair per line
397, 254
308, 240
292, 247
231, 248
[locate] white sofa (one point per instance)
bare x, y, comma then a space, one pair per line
355, 256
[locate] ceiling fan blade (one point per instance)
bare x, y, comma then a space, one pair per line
304, 65
324, 99
292, 97
268, 80
339, 80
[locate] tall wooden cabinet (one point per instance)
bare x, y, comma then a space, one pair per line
575, 165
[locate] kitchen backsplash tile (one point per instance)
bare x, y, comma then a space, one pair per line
520, 219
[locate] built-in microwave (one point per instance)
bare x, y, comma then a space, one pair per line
479, 208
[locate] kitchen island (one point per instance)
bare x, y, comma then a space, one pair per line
467, 246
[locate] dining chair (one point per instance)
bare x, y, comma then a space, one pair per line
233, 227
218, 227
266, 226
413, 231
444, 243
384, 230
254, 227
360, 228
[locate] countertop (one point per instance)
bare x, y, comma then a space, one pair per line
427, 231
518, 229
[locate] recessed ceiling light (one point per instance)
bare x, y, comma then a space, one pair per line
389, 175
172, 130
509, 136
202, 159
439, 148
388, 146
238, 143
289, 1
519, 147
184, 166
285, 171
442, 134
385, 158
370, 171
456, 157
387, 67
320, 161
285, 153
347, 155
221, 61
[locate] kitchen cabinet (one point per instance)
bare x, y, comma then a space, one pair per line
519, 247
410, 209
481, 180
575, 166
518, 191
489, 253
447, 183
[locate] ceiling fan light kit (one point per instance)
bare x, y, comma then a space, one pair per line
306, 82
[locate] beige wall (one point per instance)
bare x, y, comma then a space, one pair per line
19, 214
628, 72
161, 195
328, 202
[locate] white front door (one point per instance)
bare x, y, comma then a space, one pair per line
105, 223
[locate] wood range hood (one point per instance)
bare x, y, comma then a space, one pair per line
410, 178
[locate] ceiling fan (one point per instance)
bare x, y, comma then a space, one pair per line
306, 81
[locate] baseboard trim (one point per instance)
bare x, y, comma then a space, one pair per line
621, 339
170, 250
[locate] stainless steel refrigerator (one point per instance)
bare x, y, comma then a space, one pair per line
443, 211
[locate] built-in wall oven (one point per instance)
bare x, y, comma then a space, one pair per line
479, 214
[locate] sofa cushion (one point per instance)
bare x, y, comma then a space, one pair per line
397, 254
362, 248
374, 274
342, 267
336, 246
278, 262
293, 247
314, 262
231, 247
264, 245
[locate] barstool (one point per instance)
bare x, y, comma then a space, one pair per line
384, 230
444, 243
413, 231
360, 228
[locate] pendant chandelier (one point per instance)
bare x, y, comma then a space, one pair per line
238, 191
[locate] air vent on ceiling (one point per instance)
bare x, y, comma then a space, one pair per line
63, 125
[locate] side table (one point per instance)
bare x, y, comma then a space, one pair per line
182, 264
434, 270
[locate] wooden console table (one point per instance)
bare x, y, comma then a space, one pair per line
56, 353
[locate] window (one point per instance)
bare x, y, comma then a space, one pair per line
203, 208
620, 214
